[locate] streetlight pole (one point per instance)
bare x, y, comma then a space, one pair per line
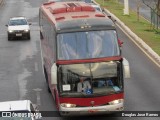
126, 7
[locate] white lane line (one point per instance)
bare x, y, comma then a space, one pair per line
36, 67
38, 96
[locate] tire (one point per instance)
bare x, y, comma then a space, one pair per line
28, 36
56, 102
46, 77
41, 36
9, 38
49, 90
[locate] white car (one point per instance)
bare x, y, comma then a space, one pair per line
18, 27
19, 110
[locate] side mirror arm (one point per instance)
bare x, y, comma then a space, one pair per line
120, 42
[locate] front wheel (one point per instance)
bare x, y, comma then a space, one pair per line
28, 36
9, 37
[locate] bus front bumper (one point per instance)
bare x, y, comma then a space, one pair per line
78, 111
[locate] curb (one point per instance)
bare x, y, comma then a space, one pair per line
136, 39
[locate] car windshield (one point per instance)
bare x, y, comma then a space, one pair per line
17, 22
85, 45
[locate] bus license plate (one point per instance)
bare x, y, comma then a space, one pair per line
18, 34
92, 111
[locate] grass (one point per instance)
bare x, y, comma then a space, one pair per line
142, 27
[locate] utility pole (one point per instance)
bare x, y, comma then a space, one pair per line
158, 7
126, 7
138, 7
158, 14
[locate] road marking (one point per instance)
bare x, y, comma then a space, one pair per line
38, 90
2, 34
22, 83
36, 67
139, 47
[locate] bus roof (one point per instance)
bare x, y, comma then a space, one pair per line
68, 16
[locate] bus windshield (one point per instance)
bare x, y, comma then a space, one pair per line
85, 45
101, 78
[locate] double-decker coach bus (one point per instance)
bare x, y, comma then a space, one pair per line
82, 61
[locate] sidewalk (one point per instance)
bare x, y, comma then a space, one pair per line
138, 41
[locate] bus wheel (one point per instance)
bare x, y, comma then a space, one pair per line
56, 100
46, 77
49, 90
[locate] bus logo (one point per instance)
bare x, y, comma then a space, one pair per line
92, 103
6, 114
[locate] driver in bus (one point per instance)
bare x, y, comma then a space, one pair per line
82, 86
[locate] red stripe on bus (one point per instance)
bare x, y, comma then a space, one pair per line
98, 101
63, 62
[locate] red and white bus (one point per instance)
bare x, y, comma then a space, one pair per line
78, 41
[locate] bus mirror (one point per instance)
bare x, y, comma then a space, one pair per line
110, 17
103, 10
120, 42
126, 68
54, 74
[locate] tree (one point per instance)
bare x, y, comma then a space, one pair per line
158, 7
154, 5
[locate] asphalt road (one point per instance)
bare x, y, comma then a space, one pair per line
21, 69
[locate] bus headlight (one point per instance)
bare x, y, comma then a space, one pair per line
10, 31
114, 102
26, 30
68, 105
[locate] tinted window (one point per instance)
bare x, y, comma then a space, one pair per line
84, 45
18, 22
103, 78
97, 8
88, 1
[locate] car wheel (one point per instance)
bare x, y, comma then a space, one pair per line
9, 37
28, 36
